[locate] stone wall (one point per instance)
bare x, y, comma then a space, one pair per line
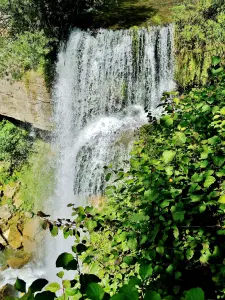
27, 101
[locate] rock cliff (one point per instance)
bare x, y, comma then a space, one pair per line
27, 101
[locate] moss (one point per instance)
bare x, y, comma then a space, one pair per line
199, 34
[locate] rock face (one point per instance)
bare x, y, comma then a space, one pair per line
27, 101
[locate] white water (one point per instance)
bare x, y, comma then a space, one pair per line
105, 81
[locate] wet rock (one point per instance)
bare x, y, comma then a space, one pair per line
28, 215
10, 190
27, 100
5, 212
17, 200
16, 259
33, 233
14, 237
7, 291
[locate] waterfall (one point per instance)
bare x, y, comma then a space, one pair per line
106, 80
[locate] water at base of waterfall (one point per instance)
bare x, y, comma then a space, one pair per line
106, 81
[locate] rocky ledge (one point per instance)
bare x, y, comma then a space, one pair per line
27, 100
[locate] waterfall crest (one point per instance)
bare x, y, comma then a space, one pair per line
105, 82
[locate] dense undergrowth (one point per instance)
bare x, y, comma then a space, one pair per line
163, 222
199, 34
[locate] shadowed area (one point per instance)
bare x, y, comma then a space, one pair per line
124, 14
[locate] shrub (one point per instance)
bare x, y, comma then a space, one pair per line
199, 34
15, 144
24, 52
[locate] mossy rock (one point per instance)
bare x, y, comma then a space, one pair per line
7, 291
16, 259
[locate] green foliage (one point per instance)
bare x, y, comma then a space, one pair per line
164, 218
199, 34
54, 17
23, 52
15, 144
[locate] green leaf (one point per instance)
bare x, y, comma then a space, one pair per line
168, 156
91, 225
221, 232
130, 292
66, 261
178, 216
81, 248
45, 296
202, 208
160, 250
70, 292
170, 269
189, 254
214, 140
218, 160
133, 281
165, 203
20, 285
38, 285
175, 232
167, 120
145, 271
60, 274
216, 60
85, 279
128, 260
209, 180
54, 231
94, 291
195, 294
118, 296
108, 176
132, 243
217, 71
152, 295
222, 199
195, 198
179, 138
53, 287
205, 108
196, 177
178, 275
27, 296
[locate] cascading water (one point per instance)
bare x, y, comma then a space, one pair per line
106, 80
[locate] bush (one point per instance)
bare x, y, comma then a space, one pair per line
199, 34
164, 220
15, 144
24, 52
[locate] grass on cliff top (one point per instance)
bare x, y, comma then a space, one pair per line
129, 13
